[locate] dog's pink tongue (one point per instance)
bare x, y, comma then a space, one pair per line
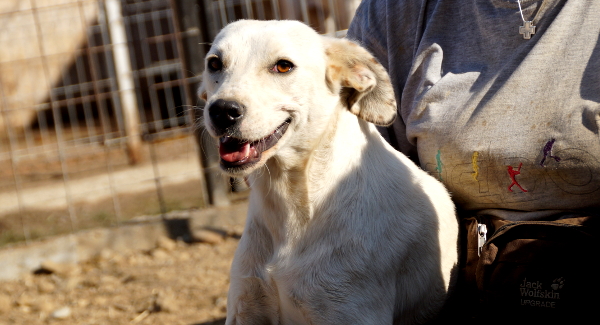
232, 151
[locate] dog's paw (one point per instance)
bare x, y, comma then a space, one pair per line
254, 304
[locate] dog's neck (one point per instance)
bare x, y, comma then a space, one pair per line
294, 193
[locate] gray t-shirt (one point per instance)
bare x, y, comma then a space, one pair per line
509, 125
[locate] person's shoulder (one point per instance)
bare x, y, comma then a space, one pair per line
383, 18
391, 5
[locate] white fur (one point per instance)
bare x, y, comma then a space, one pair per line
341, 229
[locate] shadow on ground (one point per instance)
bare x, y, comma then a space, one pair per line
216, 322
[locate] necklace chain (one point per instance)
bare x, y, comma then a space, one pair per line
521, 10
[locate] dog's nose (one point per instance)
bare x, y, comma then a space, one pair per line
225, 113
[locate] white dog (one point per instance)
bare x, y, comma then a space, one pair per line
341, 229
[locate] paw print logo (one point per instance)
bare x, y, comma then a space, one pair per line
558, 283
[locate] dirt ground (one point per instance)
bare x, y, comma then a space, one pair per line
174, 283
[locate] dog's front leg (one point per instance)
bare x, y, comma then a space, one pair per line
251, 299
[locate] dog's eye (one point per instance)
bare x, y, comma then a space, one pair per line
215, 64
283, 66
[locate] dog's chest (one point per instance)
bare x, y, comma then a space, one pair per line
290, 285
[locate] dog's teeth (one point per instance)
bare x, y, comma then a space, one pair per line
245, 150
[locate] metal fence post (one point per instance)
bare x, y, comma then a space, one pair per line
124, 79
194, 38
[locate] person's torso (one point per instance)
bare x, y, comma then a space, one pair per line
506, 122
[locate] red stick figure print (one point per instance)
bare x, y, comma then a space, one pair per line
512, 173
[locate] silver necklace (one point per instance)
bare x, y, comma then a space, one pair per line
528, 27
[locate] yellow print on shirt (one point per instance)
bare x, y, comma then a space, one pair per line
475, 166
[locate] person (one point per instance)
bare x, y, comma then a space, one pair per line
498, 99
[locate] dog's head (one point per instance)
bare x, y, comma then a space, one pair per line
273, 88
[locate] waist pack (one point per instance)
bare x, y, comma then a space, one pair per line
535, 272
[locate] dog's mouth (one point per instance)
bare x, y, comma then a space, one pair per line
236, 153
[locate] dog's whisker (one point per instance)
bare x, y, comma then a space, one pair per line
270, 181
205, 138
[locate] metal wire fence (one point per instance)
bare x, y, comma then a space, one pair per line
97, 105
326, 16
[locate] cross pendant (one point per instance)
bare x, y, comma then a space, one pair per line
527, 29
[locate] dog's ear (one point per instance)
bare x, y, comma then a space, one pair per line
365, 85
